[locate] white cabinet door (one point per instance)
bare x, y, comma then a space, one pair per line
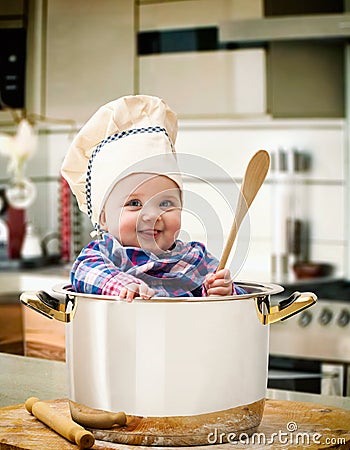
207, 83
89, 55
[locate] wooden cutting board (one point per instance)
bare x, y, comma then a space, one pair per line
285, 424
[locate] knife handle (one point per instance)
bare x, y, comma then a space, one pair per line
60, 423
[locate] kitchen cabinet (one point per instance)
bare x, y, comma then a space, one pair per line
13, 8
207, 83
198, 13
13, 53
11, 327
196, 82
293, 7
23, 331
43, 338
86, 57
305, 79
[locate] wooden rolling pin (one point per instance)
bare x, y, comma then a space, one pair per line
60, 423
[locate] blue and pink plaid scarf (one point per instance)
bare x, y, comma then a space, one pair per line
105, 267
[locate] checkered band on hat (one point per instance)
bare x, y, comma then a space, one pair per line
115, 137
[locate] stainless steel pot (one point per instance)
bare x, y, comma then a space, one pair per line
202, 357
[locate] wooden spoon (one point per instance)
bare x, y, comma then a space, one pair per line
95, 418
253, 179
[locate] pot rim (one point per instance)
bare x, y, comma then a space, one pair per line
253, 290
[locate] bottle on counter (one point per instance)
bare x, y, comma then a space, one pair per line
3, 240
31, 248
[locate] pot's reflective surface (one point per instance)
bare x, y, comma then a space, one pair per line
166, 359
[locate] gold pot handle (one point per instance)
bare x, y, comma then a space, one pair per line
286, 308
50, 307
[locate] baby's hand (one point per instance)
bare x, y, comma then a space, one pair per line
131, 291
219, 283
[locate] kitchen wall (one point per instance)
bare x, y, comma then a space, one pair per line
319, 193
221, 100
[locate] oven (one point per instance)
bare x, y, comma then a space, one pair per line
310, 352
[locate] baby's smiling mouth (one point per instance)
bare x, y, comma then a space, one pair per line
149, 232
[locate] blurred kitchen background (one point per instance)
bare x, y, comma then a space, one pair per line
242, 75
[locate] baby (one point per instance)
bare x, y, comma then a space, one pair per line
122, 167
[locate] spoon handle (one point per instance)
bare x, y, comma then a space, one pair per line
253, 179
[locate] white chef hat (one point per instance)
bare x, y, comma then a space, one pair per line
133, 134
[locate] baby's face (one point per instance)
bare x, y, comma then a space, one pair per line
144, 211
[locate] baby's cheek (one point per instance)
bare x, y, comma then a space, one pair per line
176, 222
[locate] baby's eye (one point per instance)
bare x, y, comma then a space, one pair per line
166, 204
134, 203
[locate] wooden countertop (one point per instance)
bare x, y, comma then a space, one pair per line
285, 424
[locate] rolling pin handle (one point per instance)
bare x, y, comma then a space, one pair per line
83, 438
59, 423
30, 402
120, 418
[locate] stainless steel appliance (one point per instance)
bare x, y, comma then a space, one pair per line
311, 352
